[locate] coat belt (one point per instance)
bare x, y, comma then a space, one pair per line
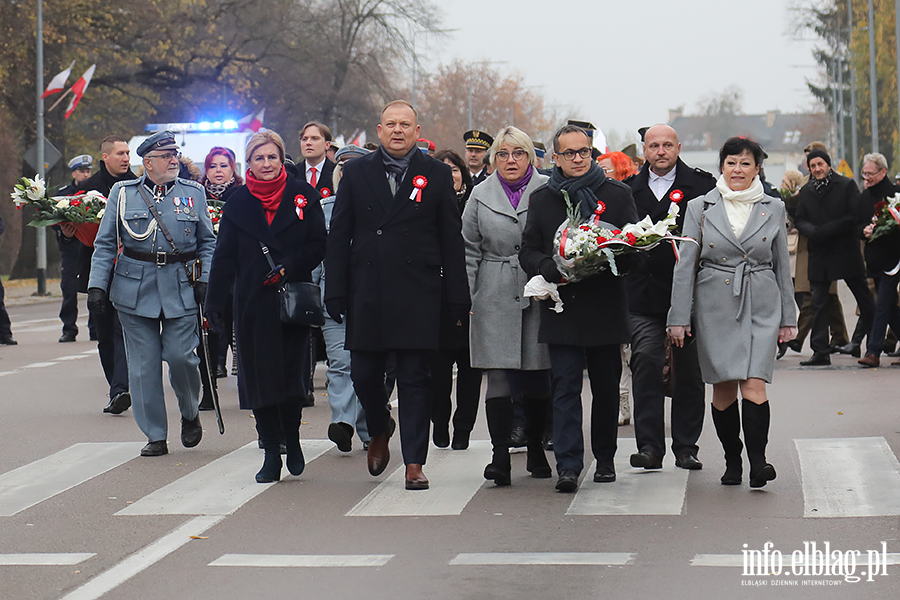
739, 271
513, 261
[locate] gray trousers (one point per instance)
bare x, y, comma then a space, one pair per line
149, 342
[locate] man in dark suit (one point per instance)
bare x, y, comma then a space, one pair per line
315, 138
115, 158
663, 180
395, 236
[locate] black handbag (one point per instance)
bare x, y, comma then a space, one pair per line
300, 301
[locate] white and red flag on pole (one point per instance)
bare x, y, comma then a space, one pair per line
58, 83
253, 122
78, 89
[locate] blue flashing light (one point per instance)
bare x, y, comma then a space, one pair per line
205, 126
229, 124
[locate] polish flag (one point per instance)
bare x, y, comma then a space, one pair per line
79, 88
360, 140
252, 122
58, 83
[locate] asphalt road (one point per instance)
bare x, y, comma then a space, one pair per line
82, 516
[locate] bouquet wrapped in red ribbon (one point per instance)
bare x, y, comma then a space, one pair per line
886, 218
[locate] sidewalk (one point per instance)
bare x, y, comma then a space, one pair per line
22, 291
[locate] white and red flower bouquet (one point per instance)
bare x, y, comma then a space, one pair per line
584, 247
83, 207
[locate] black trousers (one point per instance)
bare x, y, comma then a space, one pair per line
468, 390
5, 325
367, 370
648, 355
111, 345
860, 289
604, 367
70, 254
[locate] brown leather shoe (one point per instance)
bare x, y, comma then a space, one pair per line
379, 452
415, 478
870, 360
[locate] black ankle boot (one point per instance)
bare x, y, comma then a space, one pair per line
728, 428
535, 412
756, 437
290, 424
268, 426
499, 418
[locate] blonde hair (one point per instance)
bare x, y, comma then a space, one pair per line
517, 139
261, 139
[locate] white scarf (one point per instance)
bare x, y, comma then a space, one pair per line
739, 204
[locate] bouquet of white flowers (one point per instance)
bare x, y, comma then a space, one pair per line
83, 207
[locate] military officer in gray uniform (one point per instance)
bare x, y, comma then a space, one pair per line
167, 242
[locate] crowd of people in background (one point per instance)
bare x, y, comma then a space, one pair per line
421, 257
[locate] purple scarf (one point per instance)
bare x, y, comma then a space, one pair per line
514, 190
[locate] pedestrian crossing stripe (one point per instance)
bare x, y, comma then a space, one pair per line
840, 477
544, 558
302, 560
45, 558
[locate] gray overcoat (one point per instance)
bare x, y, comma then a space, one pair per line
742, 292
503, 332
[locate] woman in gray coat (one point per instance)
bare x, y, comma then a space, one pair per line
504, 324
736, 284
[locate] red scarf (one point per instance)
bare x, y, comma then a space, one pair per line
268, 192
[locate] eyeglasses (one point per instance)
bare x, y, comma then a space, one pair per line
570, 154
870, 174
517, 154
166, 156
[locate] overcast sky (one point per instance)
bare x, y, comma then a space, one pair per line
623, 64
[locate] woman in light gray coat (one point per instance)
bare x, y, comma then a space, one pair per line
504, 323
736, 284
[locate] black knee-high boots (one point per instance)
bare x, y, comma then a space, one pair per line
276, 425
756, 437
728, 428
499, 418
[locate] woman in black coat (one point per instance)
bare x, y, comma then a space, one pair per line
284, 214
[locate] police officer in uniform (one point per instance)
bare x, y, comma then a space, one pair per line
168, 242
477, 145
70, 249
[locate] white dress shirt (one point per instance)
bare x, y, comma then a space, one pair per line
659, 185
318, 169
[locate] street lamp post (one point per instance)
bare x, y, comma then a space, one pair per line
873, 84
39, 81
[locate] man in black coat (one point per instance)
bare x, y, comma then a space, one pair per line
594, 321
315, 139
70, 250
882, 255
828, 215
395, 236
114, 167
663, 180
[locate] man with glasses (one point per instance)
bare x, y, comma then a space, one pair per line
160, 277
594, 323
663, 180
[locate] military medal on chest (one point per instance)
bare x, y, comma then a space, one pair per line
177, 202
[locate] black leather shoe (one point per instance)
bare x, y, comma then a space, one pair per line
605, 473
7, 340
191, 432
342, 435
221, 372
517, 438
66, 338
155, 449
567, 482
646, 459
310, 400
818, 359
118, 403
460, 440
441, 436
795, 345
852, 349
689, 462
